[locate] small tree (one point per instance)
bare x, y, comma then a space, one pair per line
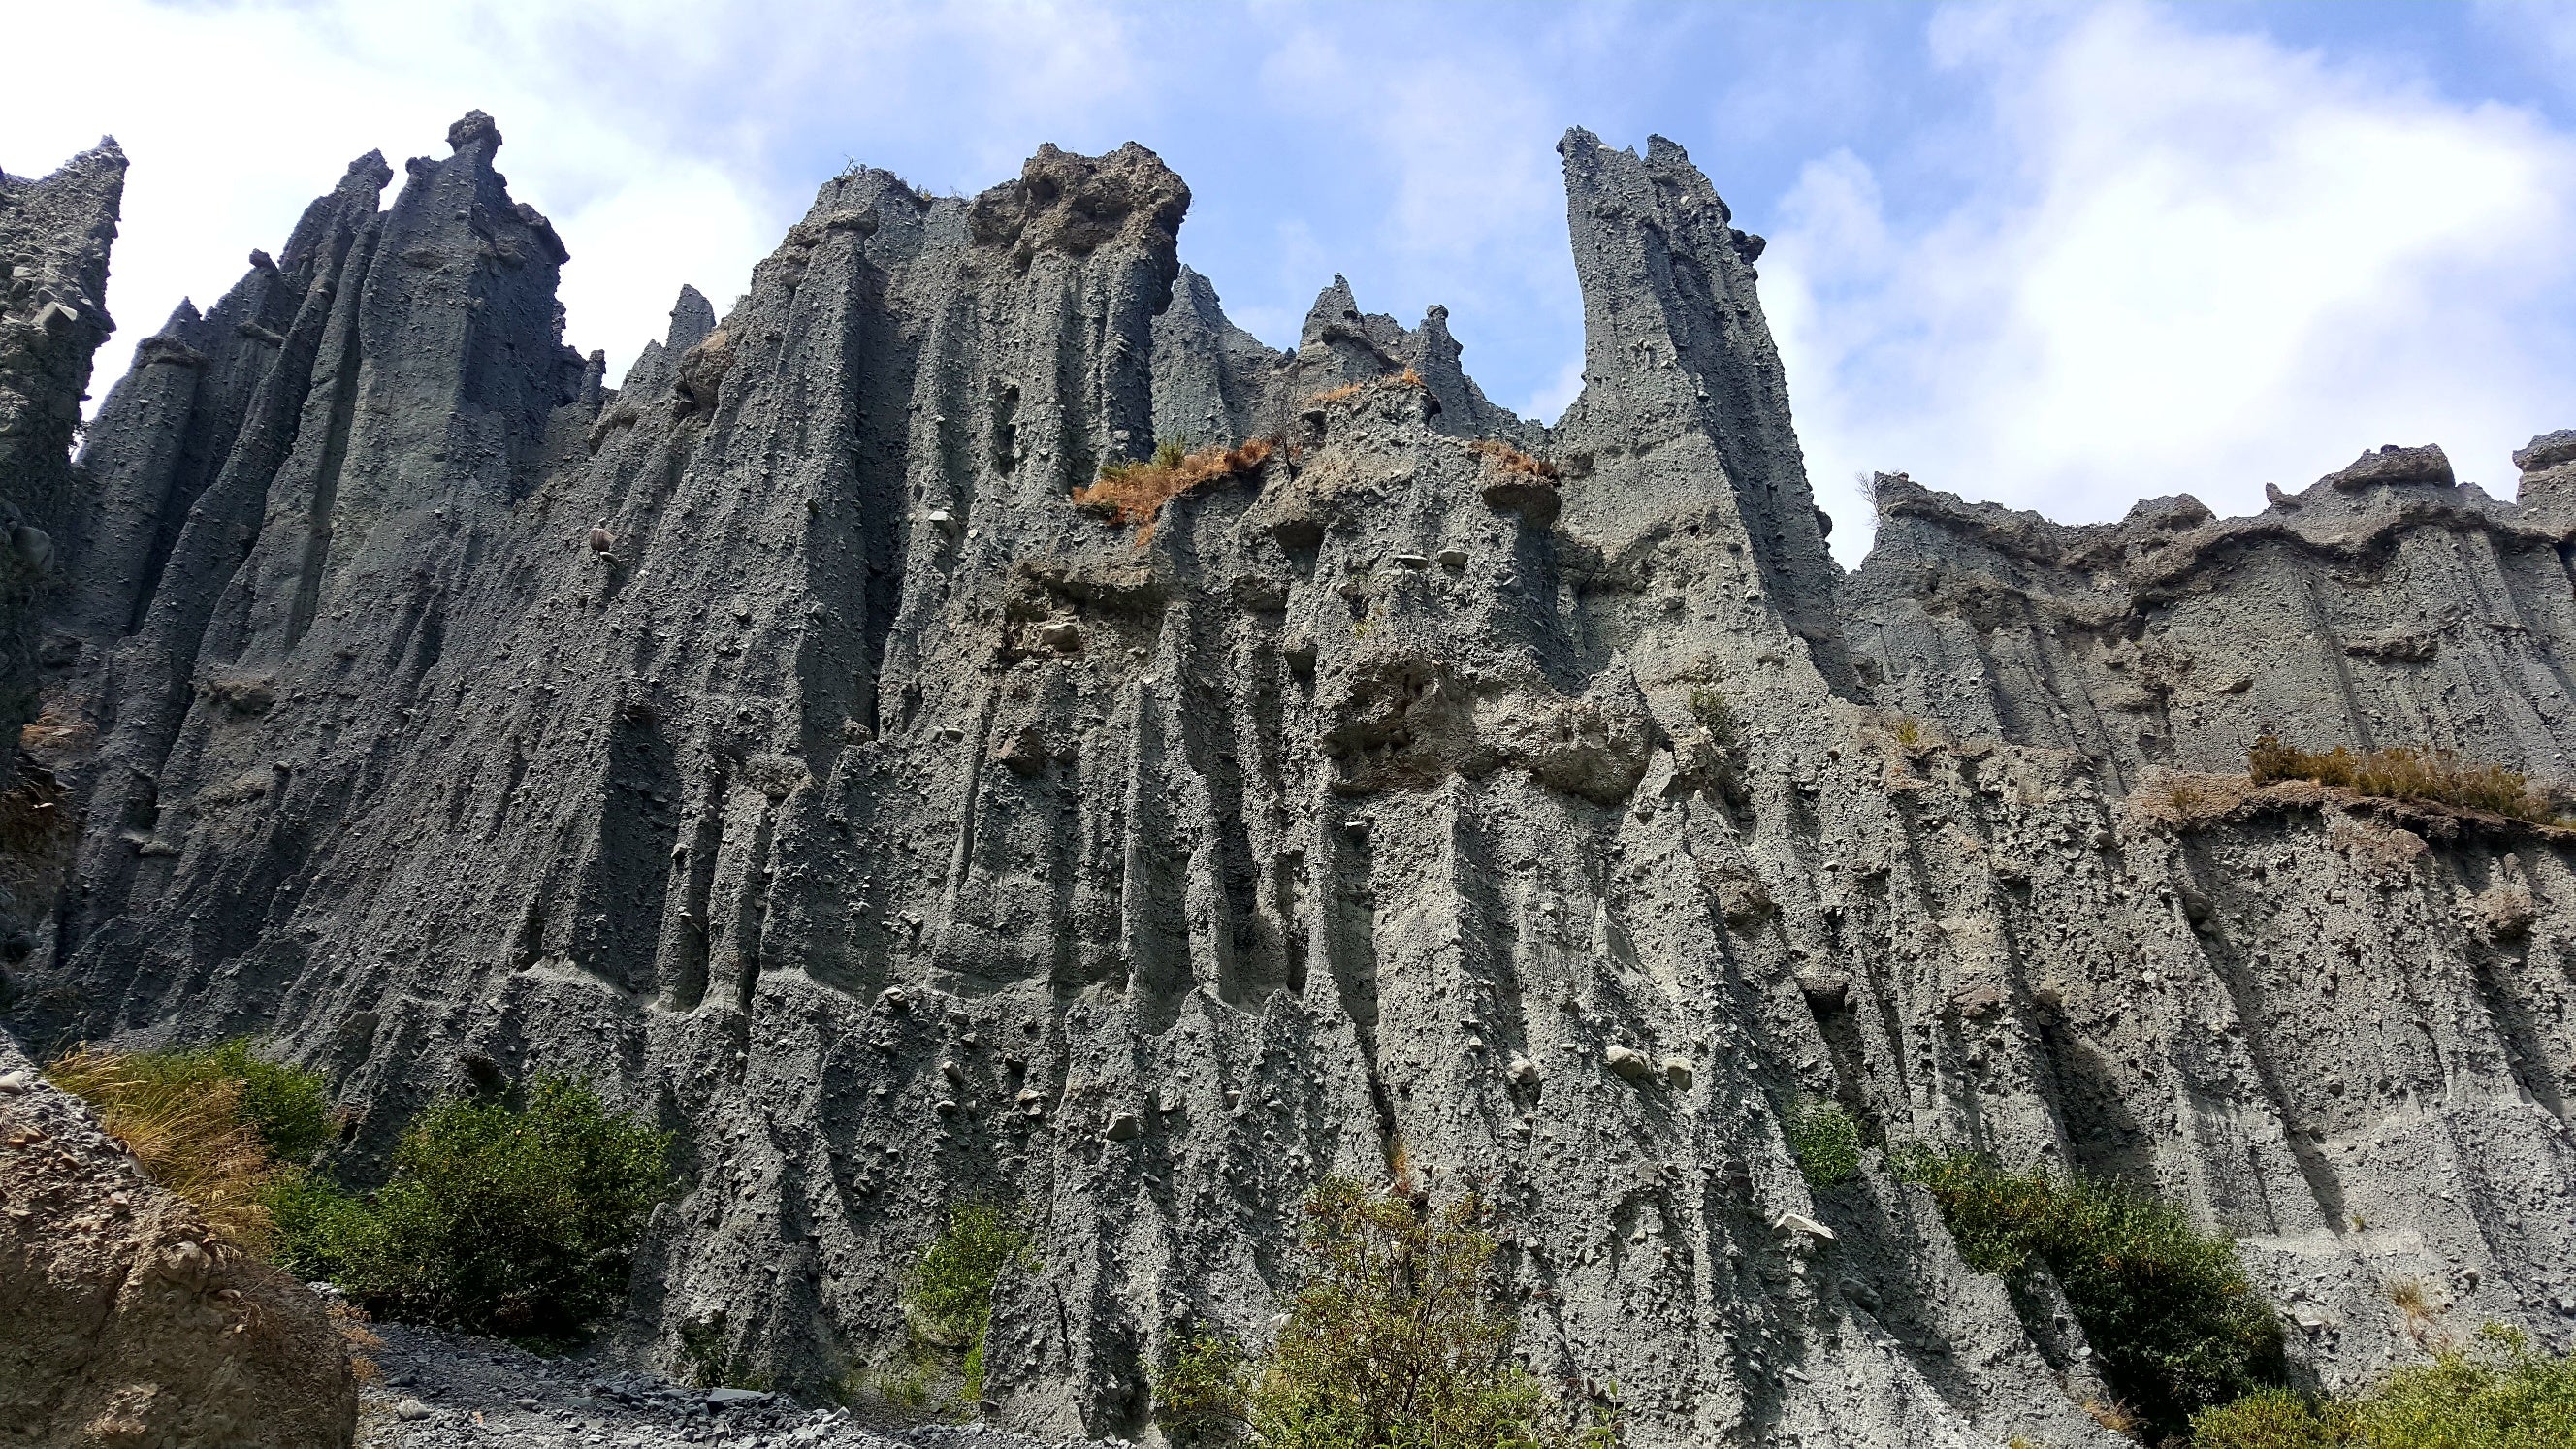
948, 1295
1393, 1340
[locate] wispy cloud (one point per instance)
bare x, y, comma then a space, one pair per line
2191, 261
2058, 257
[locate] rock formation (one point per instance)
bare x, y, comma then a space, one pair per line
772, 738
129, 1321
54, 236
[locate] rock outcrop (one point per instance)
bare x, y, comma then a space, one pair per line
54, 239
773, 739
129, 1321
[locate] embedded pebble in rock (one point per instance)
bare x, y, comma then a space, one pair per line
1567, 864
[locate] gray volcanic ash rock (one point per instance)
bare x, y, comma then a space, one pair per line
54, 238
775, 739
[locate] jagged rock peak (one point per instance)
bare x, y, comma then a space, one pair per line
1078, 204
472, 129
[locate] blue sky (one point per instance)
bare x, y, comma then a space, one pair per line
2062, 257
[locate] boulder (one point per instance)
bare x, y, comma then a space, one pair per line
129, 1320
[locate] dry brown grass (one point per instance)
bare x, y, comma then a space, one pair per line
2114, 1416
2186, 797
190, 1137
1509, 459
2412, 1299
1399, 1166
1348, 389
2404, 773
1134, 493
36, 838
358, 1337
50, 730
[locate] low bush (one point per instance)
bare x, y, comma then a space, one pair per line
512, 1220
1134, 493
1715, 715
1203, 1391
191, 1128
1823, 1138
2176, 1325
1392, 1339
2496, 1393
948, 1295
2404, 773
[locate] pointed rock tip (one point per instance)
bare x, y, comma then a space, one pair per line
473, 127
692, 318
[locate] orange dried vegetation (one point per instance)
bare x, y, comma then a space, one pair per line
2404, 773
1132, 493
1512, 460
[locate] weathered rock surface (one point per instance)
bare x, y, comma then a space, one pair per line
127, 1320
771, 738
54, 239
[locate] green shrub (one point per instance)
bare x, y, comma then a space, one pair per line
1715, 715
1823, 1138
1203, 1392
2175, 1324
2496, 1393
498, 1219
948, 1295
1393, 1340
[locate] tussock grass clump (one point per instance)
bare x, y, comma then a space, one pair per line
2176, 1324
948, 1295
1134, 493
503, 1219
2496, 1393
1393, 1338
1823, 1138
192, 1131
2405, 773
1502, 455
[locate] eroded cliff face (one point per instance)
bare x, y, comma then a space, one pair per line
773, 739
54, 237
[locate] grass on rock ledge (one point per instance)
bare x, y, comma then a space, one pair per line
219, 1126
2402, 772
1134, 493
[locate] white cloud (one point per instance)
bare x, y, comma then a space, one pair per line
648, 132
2190, 262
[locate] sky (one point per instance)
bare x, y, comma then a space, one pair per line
2061, 257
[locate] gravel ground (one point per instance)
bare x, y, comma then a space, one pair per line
447, 1391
